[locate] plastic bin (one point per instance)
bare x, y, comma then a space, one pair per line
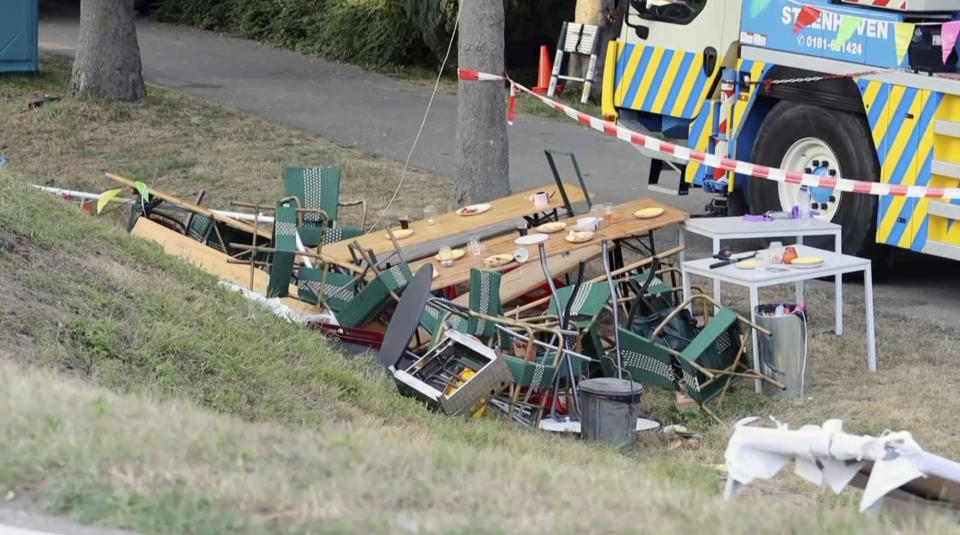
609, 410
784, 356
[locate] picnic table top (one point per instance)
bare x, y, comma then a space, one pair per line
451, 226
624, 226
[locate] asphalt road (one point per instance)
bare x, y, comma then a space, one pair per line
381, 115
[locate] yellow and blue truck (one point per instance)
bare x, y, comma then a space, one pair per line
858, 89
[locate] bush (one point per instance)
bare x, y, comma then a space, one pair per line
370, 32
360, 31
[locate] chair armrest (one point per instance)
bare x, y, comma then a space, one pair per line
358, 202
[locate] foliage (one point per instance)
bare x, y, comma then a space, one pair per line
368, 32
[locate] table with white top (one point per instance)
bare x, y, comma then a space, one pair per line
834, 264
737, 228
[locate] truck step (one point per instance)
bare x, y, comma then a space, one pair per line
948, 169
947, 128
943, 209
945, 250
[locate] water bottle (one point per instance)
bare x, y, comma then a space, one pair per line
805, 201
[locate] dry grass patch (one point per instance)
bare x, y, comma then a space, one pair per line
194, 145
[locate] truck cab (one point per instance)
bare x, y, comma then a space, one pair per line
854, 89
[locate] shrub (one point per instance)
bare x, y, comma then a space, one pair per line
370, 32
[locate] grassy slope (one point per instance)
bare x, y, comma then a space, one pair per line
304, 440
302, 435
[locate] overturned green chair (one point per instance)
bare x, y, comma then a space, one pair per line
589, 302
703, 366
319, 187
484, 298
354, 302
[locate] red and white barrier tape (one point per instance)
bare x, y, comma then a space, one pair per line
722, 162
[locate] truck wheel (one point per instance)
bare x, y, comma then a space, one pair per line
797, 137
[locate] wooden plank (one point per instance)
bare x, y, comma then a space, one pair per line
624, 226
450, 226
264, 231
213, 261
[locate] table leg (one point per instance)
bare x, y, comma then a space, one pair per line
686, 282
754, 301
871, 335
838, 289
682, 242
800, 283
716, 283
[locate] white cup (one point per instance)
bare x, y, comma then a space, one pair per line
540, 199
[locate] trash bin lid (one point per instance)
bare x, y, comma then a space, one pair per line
612, 388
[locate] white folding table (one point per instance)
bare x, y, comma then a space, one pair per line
834, 264
737, 228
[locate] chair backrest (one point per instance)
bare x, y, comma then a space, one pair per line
336, 288
590, 299
550, 153
485, 299
316, 187
285, 243
715, 348
371, 301
646, 362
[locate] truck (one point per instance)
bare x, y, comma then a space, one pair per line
858, 89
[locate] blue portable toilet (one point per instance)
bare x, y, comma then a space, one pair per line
19, 21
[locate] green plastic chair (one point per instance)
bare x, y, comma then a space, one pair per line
319, 187
285, 243
702, 368
352, 307
484, 298
588, 304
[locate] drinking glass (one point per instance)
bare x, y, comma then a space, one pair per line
430, 214
474, 245
521, 225
607, 212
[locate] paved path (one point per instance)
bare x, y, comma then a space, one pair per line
380, 115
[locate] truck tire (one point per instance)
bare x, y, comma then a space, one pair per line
793, 136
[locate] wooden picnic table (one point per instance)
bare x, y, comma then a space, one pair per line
453, 229
624, 226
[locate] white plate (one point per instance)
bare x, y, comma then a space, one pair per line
531, 239
807, 266
569, 425
474, 209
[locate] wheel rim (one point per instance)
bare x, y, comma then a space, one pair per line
813, 155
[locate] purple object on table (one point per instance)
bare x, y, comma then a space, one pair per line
756, 218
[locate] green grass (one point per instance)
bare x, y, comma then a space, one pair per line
134, 392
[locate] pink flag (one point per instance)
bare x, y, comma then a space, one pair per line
949, 33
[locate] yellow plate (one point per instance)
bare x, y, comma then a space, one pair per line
455, 254
648, 213
579, 237
550, 228
497, 260
400, 233
806, 261
750, 263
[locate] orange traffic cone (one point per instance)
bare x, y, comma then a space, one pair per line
544, 72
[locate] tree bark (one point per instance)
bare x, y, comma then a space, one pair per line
482, 154
107, 64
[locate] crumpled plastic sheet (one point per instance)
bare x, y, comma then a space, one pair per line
825, 455
278, 308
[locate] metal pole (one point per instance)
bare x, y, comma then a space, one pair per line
616, 307
563, 325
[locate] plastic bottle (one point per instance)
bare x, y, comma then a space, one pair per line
805, 200
780, 311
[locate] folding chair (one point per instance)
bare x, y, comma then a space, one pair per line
484, 298
550, 153
703, 366
319, 187
353, 301
588, 302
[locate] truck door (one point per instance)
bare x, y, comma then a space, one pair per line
670, 52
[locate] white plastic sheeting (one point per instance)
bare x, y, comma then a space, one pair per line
277, 307
825, 455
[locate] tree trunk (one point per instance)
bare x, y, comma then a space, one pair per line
482, 158
108, 57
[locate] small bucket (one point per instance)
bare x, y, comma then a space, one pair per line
609, 410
